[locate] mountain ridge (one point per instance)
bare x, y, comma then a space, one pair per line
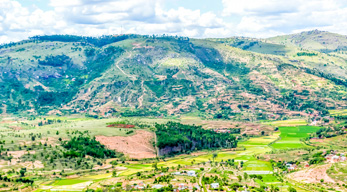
134, 75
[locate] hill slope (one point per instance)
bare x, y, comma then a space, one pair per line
134, 75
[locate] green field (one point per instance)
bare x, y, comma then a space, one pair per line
257, 165
291, 136
289, 122
68, 182
338, 112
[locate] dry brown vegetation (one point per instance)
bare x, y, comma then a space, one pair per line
136, 146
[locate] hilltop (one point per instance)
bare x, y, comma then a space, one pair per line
316, 40
133, 75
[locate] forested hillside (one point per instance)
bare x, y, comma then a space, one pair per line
175, 138
132, 75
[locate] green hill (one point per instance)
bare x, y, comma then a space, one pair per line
132, 75
316, 40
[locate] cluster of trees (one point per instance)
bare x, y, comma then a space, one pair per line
163, 179
306, 54
140, 113
190, 137
56, 60
317, 158
97, 41
80, 146
211, 179
17, 180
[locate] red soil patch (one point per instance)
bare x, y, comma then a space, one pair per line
121, 126
137, 146
313, 175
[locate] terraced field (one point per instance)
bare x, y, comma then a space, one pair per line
291, 137
289, 122
341, 112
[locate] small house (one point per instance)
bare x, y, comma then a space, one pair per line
158, 186
197, 187
191, 173
291, 168
181, 186
214, 185
336, 158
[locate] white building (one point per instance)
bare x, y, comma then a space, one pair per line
157, 186
214, 185
191, 173
181, 186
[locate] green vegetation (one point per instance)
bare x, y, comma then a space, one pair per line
190, 138
234, 111
80, 146
291, 137
56, 61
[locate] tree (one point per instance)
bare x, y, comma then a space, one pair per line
239, 177
214, 155
245, 175
291, 189
114, 173
155, 166
274, 189
22, 172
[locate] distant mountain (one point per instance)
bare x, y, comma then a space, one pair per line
316, 40
132, 75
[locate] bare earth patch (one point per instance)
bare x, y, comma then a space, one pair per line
32, 165
137, 146
102, 167
313, 175
18, 154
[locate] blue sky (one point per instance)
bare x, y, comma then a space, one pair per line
20, 19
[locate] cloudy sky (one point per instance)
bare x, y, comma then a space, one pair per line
20, 19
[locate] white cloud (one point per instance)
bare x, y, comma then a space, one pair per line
101, 17
272, 17
18, 22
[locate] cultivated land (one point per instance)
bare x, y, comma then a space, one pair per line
291, 137
161, 113
252, 155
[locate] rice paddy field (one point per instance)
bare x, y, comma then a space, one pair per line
289, 122
291, 137
338, 112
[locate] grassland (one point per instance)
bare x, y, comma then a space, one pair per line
291, 137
